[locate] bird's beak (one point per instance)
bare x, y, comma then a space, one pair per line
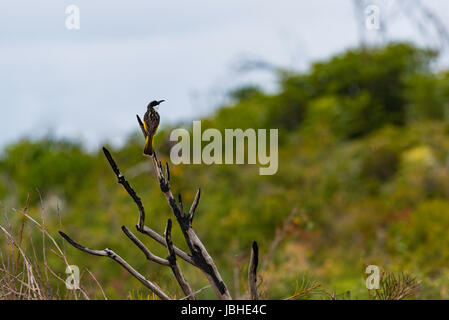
160, 101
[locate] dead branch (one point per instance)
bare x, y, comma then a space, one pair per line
111, 254
141, 227
174, 265
198, 251
252, 272
194, 205
198, 257
148, 254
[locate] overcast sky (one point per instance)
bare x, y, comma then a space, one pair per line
88, 84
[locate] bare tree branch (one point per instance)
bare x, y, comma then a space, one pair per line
252, 272
194, 206
148, 254
141, 227
198, 251
141, 126
181, 207
197, 291
174, 265
156, 236
111, 254
127, 186
199, 256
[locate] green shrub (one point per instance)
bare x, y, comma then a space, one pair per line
380, 164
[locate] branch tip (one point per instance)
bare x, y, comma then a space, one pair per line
167, 172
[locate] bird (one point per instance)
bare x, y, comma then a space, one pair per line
151, 121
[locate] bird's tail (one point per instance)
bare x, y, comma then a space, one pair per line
148, 150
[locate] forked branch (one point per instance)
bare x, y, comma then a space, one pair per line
198, 257
198, 251
141, 227
111, 254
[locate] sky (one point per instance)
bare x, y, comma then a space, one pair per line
89, 84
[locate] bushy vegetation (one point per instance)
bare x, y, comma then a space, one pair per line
363, 157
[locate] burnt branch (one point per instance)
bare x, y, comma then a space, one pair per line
127, 186
252, 272
148, 254
174, 265
142, 127
141, 227
111, 254
198, 251
198, 257
194, 206
181, 207
167, 172
157, 237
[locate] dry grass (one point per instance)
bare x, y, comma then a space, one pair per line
396, 287
25, 273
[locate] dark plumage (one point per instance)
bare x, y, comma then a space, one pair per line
151, 123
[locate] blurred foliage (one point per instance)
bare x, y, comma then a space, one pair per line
362, 155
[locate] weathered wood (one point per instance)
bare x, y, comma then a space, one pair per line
198, 257
197, 249
252, 272
174, 265
111, 254
148, 254
141, 227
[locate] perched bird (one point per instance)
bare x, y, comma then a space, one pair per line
151, 121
